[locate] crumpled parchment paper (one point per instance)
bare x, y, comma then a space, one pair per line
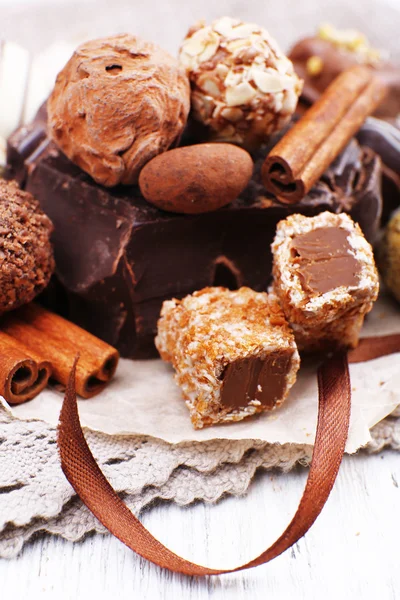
144, 399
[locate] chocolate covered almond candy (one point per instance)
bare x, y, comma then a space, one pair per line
233, 352
196, 179
325, 278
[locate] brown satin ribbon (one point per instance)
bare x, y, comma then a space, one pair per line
92, 487
375, 347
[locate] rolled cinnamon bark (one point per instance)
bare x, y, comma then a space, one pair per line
23, 375
305, 152
59, 342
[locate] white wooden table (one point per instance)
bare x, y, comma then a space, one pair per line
352, 552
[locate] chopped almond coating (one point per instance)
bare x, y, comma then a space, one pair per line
233, 352
325, 278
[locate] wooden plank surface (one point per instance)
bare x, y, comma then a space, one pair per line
350, 553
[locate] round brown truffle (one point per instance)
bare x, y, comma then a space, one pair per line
26, 255
118, 102
244, 88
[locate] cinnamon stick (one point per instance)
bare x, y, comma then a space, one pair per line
59, 341
23, 374
300, 158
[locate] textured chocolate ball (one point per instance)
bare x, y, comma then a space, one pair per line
26, 255
243, 87
196, 179
118, 102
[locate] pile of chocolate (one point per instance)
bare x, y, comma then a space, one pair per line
153, 171
119, 104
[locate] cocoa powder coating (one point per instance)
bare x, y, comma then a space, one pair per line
196, 179
118, 102
26, 255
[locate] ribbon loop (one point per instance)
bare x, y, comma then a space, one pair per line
92, 487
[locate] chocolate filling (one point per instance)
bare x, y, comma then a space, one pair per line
325, 260
255, 378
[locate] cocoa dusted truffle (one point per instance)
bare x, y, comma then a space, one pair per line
118, 102
26, 254
196, 179
243, 87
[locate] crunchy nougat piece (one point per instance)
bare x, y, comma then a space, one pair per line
233, 352
325, 278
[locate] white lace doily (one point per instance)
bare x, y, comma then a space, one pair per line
35, 496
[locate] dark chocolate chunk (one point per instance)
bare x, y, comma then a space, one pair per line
325, 260
263, 380
383, 137
119, 258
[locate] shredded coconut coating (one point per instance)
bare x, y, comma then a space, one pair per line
243, 86
335, 318
203, 333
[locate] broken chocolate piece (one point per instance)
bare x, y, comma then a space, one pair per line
384, 139
325, 259
119, 258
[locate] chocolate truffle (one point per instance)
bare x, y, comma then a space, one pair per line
325, 278
233, 352
26, 256
389, 256
243, 87
118, 102
319, 59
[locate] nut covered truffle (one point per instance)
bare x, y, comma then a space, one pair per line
243, 87
25, 250
118, 102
